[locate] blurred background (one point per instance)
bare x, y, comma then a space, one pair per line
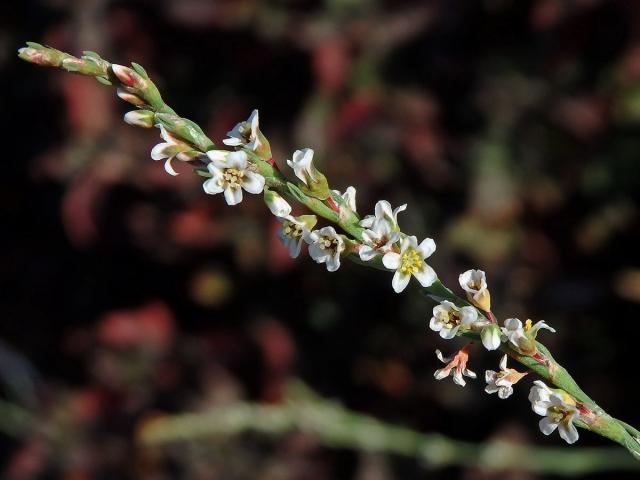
512, 130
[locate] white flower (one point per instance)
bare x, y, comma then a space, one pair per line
457, 364
502, 381
348, 197
474, 282
558, 409
383, 213
230, 174
277, 205
293, 230
302, 164
245, 133
410, 261
522, 339
325, 246
171, 148
490, 335
381, 231
448, 319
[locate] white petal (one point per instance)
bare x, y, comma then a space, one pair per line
233, 196
568, 432
441, 373
427, 247
366, 253
469, 373
448, 333
503, 362
232, 142
491, 388
169, 168
391, 260
505, 392
457, 378
407, 242
333, 263
435, 324
294, 247
489, 376
426, 275
490, 338
253, 182
158, 152
547, 426
469, 315
212, 186
512, 324
237, 160
400, 281
217, 155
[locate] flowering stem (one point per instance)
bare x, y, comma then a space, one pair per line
136, 87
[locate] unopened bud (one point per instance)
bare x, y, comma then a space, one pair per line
132, 98
278, 205
140, 118
129, 77
41, 56
490, 336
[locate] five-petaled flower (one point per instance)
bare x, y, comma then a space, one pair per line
410, 261
381, 231
448, 319
502, 381
230, 174
171, 148
293, 231
458, 364
325, 246
558, 408
245, 134
523, 339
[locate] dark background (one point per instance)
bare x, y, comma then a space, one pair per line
511, 128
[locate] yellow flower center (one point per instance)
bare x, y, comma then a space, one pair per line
410, 261
527, 325
450, 319
329, 243
232, 177
291, 229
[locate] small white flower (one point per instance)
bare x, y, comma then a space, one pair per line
490, 335
302, 164
410, 261
230, 174
383, 213
293, 230
457, 364
276, 204
502, 381
245, 133
381, 231
474, 282
348, 197
171, 148
448, 319
522, 339
558, 409
325, 246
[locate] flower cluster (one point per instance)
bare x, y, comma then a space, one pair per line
381, 240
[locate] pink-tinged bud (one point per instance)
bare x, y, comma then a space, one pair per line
140, 118
44, 57
128, 77
131, 98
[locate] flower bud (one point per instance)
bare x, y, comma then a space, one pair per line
129, 77
140, 118
490, 336
45, 57
131, 98
278, 205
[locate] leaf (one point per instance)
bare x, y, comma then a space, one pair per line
138, 68
103, 80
